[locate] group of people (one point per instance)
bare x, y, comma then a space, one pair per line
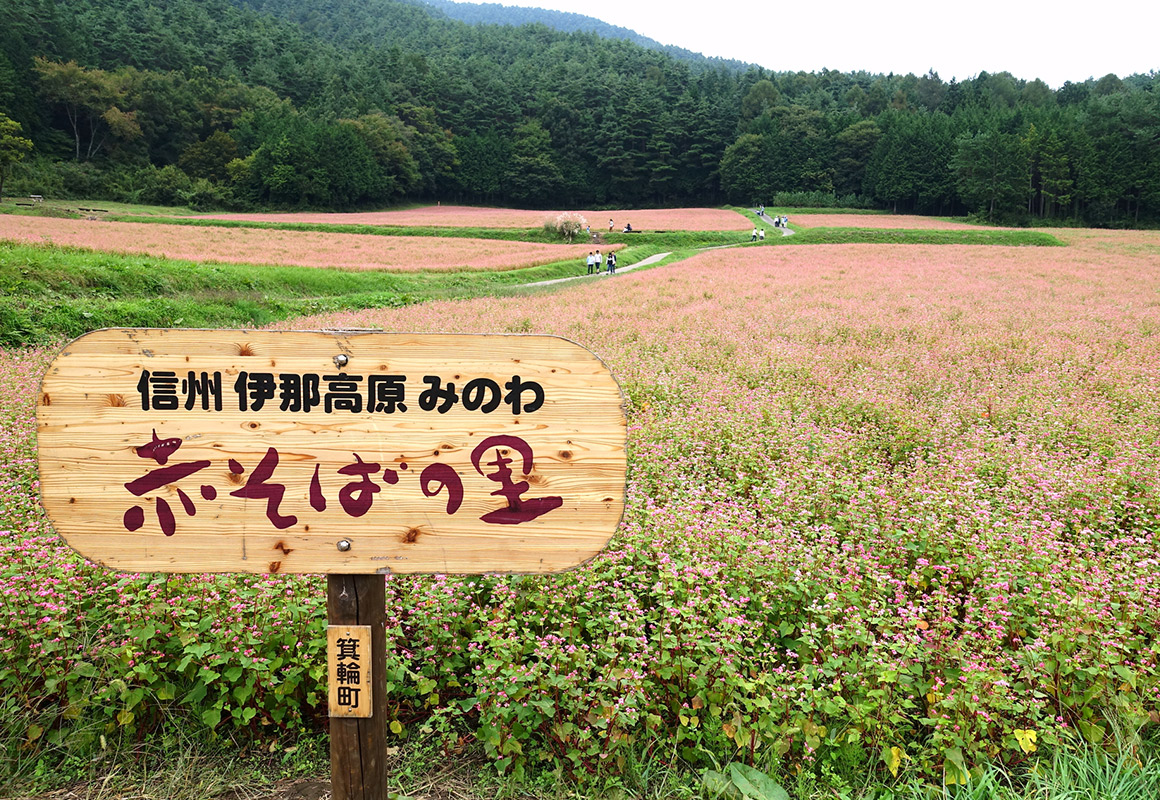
758, 233
595, 260
612, 224
778, 222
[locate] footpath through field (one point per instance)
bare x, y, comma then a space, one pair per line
659, 257
767, 218
642, 263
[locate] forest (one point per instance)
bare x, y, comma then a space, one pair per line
281, 103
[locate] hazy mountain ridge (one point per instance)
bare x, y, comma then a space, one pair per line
565, 22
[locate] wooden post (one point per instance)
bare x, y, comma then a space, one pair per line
358, 747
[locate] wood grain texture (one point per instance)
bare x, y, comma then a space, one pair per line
358, 747
349, 646
97, 441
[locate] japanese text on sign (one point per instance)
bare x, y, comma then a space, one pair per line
349, 670
355, 498
166, 390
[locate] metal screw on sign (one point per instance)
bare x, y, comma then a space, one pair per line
343, 546
341, 360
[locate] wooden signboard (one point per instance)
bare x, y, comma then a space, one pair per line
332, 452
349, 670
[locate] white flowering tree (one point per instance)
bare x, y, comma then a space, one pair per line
569, 225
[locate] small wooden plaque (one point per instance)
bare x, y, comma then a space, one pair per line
348, 669
331, 452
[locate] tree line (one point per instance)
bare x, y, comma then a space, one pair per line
260, 103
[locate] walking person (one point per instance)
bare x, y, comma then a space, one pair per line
599, 261
753, 238
591, 262
612, 263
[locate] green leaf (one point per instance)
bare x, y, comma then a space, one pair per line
133, 697
195, 696
719, 785
85, 669
755, 784
211, 717
1127, 674
1091, 731
954, 759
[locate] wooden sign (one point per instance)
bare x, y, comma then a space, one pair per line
335, 452
349, 671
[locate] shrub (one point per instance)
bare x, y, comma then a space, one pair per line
567, 225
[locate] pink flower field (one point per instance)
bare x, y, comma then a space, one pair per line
668, 219
910, 494
887, 221
291, 248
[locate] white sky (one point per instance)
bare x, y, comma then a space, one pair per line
1056, 41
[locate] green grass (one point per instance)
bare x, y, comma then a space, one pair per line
665, 239
983, 236
55, 207
180, 768
504, 234
795, 211
49, 291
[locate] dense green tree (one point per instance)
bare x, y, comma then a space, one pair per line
13, 147
1054, 172
1037, 94
992, 172
91, 100
532, 176
432, 148
745, 170
761, 98
209, 157
1109, 84
623, 156
853, 148
483, 162
931, 90
386, 137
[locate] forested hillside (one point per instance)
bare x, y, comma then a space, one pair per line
498, 14
337, 104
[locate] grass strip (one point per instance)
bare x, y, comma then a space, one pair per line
984, 236
47, 291
668, 239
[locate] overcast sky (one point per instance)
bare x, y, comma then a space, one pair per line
1056, 41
